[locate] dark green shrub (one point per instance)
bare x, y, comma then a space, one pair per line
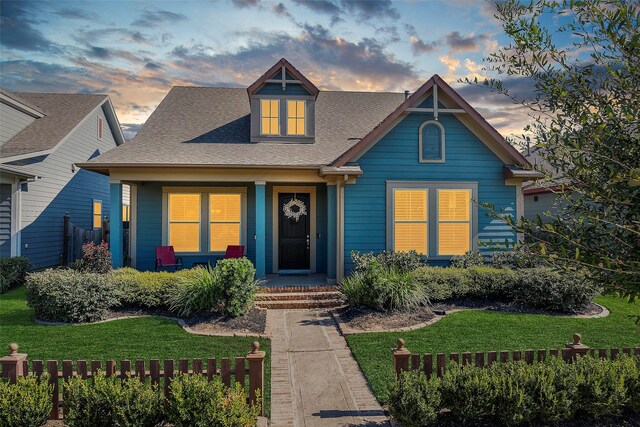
238, 284
440, 283
415, 401
96, 258
469, 259
199, 291
148, 289
488, 282
383, 288
601, 386
27, 403
521, 258
70, 296
196, 402
112, 402
552, 386
545, 288
401, 261
13, 272
468, 393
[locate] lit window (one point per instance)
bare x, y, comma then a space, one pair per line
295, 118
454, 222
431, 142
99, 127
97, 214
269, 115
126, 212
410, 222
184, 222
224, 221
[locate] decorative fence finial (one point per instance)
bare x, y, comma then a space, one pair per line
13, 349
400, 343
577, 339
255, 346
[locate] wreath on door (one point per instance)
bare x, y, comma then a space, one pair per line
294, 209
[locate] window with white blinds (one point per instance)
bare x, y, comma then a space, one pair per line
454, 222
224, 221
410, 221
184, 222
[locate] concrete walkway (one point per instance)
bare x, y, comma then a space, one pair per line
315, 381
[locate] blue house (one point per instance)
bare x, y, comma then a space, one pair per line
42, 136
301, 176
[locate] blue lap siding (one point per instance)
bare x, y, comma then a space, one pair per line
395, 158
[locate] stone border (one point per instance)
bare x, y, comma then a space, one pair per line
265, 335
345, 329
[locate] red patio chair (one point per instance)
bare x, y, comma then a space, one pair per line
233, 251
166, 258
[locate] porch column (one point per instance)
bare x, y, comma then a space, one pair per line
115, 224
331, 232
261, 237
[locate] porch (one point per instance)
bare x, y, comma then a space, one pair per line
289, 229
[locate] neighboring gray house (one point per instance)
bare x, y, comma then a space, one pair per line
42, 136
540, 196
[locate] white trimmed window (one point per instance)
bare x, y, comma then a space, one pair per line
437, 219
270, 116
296, 124
204, 220
410, 221
97, 214
184, 222
454, 222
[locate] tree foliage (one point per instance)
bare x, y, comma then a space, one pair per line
585, 124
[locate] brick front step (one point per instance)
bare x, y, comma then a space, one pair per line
297, 304
293, 289
283, 296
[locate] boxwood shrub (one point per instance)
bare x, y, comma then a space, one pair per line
13, 272
149, 289
27, 403
514, 393
69, 296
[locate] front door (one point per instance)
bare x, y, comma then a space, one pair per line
293, 229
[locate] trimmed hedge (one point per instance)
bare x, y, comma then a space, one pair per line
69, 296
13, 272
515, 393
148, 289
27, 403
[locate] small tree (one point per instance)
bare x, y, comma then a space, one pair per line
585, 112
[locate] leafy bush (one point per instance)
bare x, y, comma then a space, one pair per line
96, 258
545, 288
383, 288
521, 258
200, 291
414, 400
401, 261
469, 259
149, 289
70, 296
27, 403
12, 272
514, 393
196, 402
111, 402
238, 284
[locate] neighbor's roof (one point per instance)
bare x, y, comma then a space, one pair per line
210, 126
536, 157
63, 112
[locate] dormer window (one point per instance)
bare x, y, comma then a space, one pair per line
296, 118
270, 117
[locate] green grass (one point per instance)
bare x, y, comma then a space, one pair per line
480, 330
142, 338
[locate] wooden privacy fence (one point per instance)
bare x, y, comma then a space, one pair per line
16, 365
75, 237
404, 360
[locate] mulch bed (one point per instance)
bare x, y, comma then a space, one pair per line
366, 319
254, 322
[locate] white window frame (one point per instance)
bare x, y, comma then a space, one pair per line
93, 213
270, 117
304, 102
204, 215
100, 128
432, 209
394, 222
421, 158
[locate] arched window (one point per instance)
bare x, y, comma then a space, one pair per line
431, 136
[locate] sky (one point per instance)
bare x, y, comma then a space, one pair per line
134, 51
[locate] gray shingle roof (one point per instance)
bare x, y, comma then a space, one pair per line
210, 126
63, 112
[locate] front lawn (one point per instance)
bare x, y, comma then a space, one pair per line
142, 338
480, 330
